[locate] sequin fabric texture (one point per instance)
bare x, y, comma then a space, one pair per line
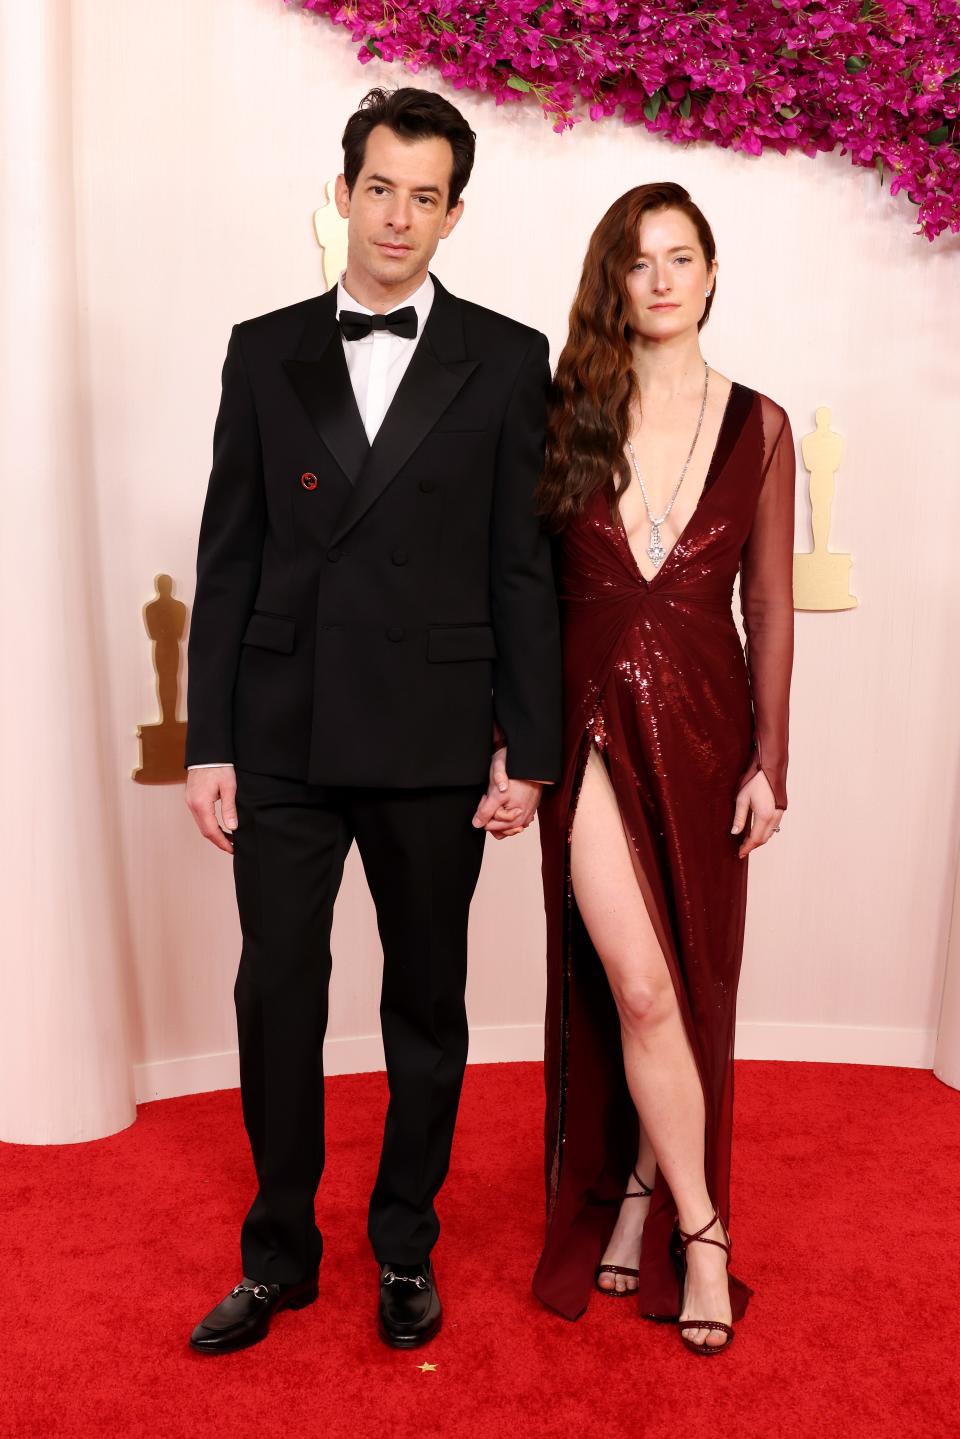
657, 681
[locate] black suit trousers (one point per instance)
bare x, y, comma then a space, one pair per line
421, 857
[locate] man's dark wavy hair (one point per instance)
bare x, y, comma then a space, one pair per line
413, 115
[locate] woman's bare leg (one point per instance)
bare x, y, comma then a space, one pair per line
659, 1065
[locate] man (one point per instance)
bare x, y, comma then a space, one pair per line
374, 601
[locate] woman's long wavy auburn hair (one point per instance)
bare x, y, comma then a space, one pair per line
595, 387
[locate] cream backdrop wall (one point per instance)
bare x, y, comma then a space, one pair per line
202, 135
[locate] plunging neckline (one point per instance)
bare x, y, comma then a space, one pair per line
707, 485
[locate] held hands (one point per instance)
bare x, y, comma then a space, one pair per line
509, 804
204, 788
756, 796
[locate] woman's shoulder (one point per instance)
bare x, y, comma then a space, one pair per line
771, 411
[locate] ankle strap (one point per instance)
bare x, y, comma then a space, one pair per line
687, 1239
644, 1191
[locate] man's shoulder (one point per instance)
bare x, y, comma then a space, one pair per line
289, 320
491, 328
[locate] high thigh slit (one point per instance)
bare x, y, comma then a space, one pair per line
638, 879
656, 678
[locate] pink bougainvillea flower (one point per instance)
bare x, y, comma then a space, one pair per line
878, 79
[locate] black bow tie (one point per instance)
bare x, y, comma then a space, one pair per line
354, 326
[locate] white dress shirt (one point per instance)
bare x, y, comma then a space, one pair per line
376, 364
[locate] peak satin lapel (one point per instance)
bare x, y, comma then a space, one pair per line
435, 375
322, 383
424, 393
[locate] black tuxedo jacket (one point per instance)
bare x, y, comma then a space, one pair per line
362, 612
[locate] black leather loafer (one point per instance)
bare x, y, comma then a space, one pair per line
243, 1318
410, 1312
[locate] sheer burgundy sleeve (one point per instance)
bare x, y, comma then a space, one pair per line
766, 602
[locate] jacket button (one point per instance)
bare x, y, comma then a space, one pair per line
395, 633
333, 555
428, 486
308, 480
399, 557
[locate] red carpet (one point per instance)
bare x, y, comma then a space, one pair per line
846, 1221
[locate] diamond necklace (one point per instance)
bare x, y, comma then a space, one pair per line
655, 548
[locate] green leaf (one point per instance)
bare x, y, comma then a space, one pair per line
789, 112
374, 48
865, 9
652, 108
514, 82
786, 53
937, 136
686, 105
878, 163
855, 64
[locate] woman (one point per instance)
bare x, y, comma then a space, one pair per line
663, 479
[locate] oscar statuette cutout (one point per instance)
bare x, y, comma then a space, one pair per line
330, 228
821, 578
162, 745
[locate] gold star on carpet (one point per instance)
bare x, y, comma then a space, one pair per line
426, 1368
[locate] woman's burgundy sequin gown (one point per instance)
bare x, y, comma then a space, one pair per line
656, 677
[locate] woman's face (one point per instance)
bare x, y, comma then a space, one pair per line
668, 281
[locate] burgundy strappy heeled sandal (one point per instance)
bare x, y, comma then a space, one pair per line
644, 1192
686, 1240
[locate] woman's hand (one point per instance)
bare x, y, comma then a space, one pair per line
756, 800
509, 805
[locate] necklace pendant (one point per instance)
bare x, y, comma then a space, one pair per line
655, 548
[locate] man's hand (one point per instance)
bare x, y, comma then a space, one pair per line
204, 788
509, 804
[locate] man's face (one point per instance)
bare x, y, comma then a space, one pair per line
397, 214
